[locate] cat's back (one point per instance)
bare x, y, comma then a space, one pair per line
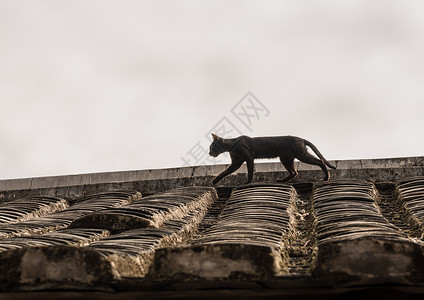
273, 146
276, 139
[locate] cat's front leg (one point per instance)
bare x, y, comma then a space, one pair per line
216, 180
250, 170
231, 168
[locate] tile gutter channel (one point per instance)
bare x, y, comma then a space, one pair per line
399, 167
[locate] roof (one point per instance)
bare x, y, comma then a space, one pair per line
168, 233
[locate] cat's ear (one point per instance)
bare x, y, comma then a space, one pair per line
215, 137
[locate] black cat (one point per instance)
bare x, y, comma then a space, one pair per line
246, 149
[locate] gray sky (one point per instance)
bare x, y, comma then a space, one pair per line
97, 85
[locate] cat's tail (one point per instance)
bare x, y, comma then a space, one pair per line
315, 149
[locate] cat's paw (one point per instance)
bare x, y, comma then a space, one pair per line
281, 180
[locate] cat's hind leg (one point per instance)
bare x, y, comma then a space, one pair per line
288, 163
308, 158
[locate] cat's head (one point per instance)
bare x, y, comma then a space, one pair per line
217, 147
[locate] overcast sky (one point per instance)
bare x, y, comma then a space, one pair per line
97, 85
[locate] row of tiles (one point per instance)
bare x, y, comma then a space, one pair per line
251, 236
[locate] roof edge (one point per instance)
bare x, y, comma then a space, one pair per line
194, 171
